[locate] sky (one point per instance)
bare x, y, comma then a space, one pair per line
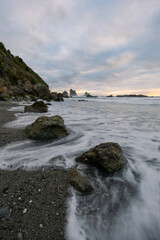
100, 46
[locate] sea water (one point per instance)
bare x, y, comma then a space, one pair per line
123, 206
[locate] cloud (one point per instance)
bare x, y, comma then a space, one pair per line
102, 46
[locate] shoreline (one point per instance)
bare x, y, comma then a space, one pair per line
8, 135
36, 200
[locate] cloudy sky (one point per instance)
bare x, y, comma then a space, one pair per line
100, 46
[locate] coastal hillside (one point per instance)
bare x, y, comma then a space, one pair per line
17, 79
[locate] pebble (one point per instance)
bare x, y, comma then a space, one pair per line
4, 213
40, 225
19, 236
25, 210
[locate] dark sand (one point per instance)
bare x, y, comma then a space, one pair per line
35, 199
8, 135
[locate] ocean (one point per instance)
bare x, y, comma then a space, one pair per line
123, 206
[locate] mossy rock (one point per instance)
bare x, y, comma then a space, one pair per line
47, 128
106, 155
4, 98
39, 107
80, 183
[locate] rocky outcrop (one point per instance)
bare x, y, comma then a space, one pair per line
79, 182
46, 128
73, 93
39, 107
65, 94
59, 98
17, 79
88, 95
132, 95
106, 155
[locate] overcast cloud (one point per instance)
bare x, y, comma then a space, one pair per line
99, 46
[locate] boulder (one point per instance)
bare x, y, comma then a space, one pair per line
4, 98
39, 107
106, 155
46, 128
59, 98
79, 182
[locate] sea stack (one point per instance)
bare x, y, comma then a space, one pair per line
73, 93
65, 94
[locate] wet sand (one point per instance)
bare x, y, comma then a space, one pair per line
36, 199
8, 135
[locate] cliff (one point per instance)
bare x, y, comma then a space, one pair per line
17, 79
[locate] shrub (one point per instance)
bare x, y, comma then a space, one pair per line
13, 78
1, 68
33, 80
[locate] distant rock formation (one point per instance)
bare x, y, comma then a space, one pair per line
110, 96
18, 80
88, 95
59, 97
73, 93
65, 94
132, 95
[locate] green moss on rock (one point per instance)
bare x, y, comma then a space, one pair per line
106, 155
46, 128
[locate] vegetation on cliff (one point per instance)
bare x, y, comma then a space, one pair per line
17, 79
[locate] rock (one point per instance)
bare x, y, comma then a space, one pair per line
59, 98
73, 93
19, 236
4, 213
79, 182
4, 97
65, 94
36, 107
25, 210
132, 95
107, 155
88, 95
45, 128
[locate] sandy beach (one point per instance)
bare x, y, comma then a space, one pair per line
36, 200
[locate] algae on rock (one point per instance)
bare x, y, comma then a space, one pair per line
46, 128
107, 155
36, 107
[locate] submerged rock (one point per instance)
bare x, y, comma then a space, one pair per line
79, 182
107, 155
36, 107
45, 128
